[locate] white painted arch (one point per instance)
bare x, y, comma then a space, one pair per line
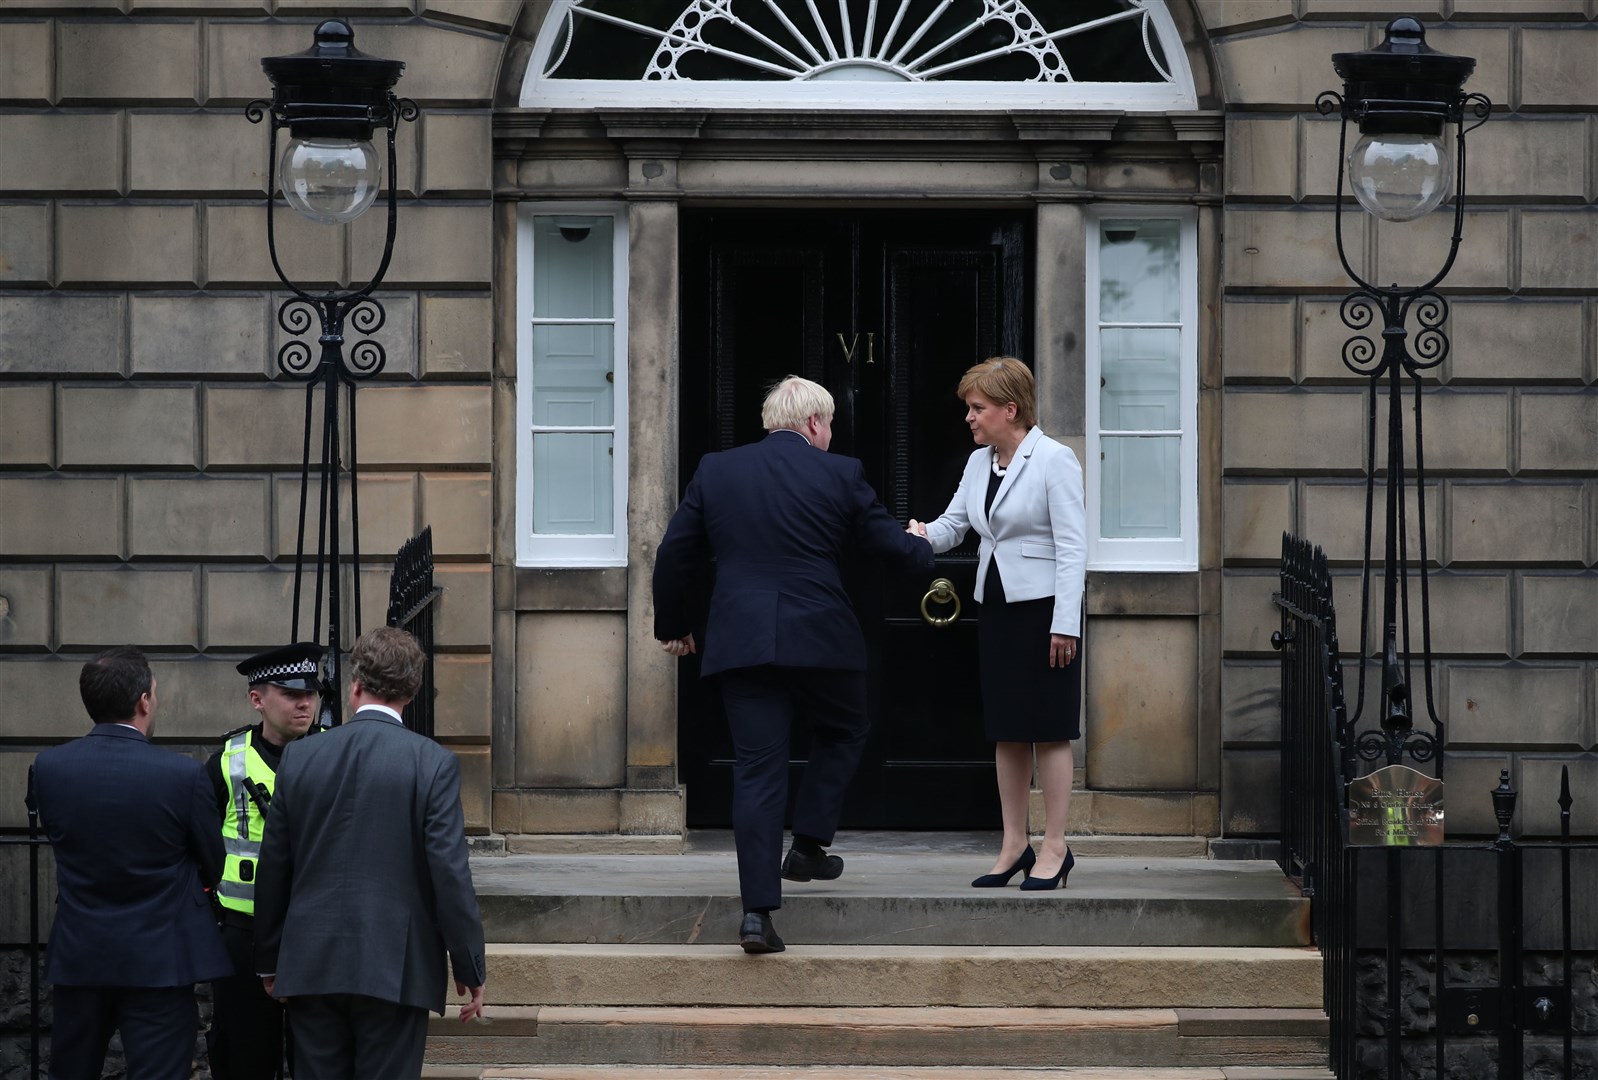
868, 69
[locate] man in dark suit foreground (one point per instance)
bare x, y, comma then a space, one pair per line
778, 517
137, 840
363, 884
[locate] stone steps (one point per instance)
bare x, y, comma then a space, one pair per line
871, 1072
879, 975
902, 899
925, 1036
1155, 963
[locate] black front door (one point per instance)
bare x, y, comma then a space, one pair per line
886, 309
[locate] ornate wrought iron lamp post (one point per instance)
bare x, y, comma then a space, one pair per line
331, 98
1403, 97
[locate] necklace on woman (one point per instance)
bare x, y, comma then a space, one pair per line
998, 470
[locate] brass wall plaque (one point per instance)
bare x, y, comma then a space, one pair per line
1395, 807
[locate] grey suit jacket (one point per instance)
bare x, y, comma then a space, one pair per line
363, 883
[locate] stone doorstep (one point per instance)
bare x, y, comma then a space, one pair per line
877, 976
920, 897
1011, 1038
1098, 916
1196, 847
800, 1072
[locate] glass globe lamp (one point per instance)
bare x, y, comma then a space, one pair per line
330, 180
1400, 176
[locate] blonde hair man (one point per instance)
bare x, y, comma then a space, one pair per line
780, 633
797, 404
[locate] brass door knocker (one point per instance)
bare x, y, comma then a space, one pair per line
942, 592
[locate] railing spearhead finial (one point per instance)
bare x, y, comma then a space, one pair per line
1504, 796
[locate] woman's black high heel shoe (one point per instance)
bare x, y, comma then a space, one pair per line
1037, 884
1027, 860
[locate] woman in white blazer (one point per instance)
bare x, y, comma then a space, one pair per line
1022, 493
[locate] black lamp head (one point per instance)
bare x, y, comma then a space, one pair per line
1403, 85
333, 90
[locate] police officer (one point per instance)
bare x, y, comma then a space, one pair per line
246, 1036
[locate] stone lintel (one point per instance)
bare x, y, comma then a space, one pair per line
1066, 127
652, 124
1152, 127
519, 123
562, 589
826, 124
1145, 593
636, 149
1198, 127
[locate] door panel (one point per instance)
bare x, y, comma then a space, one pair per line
887, 310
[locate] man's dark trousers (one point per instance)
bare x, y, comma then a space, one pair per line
246, 1036
158, 1026
338, 1036
762, 704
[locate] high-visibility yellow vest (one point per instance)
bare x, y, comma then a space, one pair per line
243, 824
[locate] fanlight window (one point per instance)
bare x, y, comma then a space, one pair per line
860, 54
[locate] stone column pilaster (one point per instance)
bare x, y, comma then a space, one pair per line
651, 802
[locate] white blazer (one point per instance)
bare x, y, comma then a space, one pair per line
1038, 527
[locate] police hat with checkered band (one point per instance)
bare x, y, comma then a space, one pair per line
293, 667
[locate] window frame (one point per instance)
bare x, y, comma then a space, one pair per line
1146, 554
535, 549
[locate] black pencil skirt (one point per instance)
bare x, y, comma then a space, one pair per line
1023, 698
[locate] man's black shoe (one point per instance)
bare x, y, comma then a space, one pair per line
757, 935
801, 866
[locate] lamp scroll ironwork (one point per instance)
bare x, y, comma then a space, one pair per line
330, 98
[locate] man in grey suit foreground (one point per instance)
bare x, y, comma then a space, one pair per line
363, 883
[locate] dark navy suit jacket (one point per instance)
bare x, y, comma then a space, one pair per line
136, 838
778, 516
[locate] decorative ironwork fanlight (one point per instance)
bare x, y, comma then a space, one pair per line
862, 54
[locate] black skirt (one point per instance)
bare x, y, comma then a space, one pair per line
1023, 698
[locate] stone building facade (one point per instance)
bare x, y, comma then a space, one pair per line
149, 450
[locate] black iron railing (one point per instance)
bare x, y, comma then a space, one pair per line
411, 593
1314, 746
34, 843
1457, 960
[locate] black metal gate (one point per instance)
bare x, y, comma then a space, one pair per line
1462, 960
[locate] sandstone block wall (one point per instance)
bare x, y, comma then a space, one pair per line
149, 446
1510, 416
